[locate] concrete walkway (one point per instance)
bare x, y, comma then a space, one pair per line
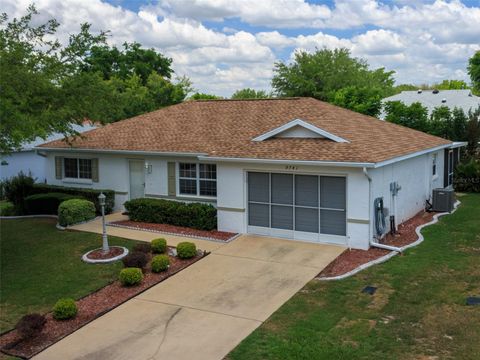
204, 311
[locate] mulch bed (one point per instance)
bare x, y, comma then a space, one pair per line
175, 230
351, 259
100, 255
89, 308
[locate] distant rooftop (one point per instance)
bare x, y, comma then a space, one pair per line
431, 99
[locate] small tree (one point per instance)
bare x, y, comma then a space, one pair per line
414, 116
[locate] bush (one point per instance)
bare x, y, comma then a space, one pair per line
74, 211
65, 309
143, 248
135, 259
159, 246
30, 325
160, 263
16, 189
87, 194
193, 215
6, 209
467, 176
45, 203
130, 276
186, 250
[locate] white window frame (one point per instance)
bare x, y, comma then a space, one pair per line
197, 178
78, 178
434, 166
450, 168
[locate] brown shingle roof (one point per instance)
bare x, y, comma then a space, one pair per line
225, 128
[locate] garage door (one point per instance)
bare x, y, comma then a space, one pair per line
303, 207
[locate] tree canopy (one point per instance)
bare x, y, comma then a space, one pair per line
203, 96
249, 93
474, 71
325, 73
46, 86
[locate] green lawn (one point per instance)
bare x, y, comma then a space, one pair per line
40, 264
418, 312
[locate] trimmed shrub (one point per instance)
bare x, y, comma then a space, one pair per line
46, 203
30, 326
130, 276
16, 189
7, 209
135, 259
160, 263
87, 194
143, 248
467, 176
74, 211
186, 250
159, 246
193, 215
65, 309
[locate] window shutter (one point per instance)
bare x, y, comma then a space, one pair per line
58, 167
95, 175
172, 184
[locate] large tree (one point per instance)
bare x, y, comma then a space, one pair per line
414, 116
249, 93
474, 71
325, 72
46, 87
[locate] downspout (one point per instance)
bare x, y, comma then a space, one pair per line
370, 237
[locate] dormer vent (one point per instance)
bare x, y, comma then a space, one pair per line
444, 100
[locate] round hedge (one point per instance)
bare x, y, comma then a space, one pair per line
74, 211
186, 250
130, 276
160, 263
65, 309
159, 246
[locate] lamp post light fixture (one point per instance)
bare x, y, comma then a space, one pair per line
101, 201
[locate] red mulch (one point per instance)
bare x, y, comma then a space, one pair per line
351, 259
180, 230
99, 254
89, 308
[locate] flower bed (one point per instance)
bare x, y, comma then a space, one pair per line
351, 259
175, 230
89, 308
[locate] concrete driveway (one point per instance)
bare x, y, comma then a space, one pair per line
204, 311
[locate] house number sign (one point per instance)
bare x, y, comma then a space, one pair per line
291, 167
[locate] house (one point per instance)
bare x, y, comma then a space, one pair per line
462, 99
27, 160
296, 168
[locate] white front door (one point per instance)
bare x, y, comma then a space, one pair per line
137, 179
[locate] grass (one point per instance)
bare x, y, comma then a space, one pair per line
40, 264
418, 312
6, 208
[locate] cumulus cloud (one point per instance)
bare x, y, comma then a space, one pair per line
423, 42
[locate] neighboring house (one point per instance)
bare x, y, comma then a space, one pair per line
462, 99
296, 168
28, 160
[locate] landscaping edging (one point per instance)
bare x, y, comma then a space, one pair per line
36, 346
393, 253
104, 261
114, 224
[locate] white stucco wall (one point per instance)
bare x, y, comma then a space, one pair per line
416, 180
26, 161
232, 197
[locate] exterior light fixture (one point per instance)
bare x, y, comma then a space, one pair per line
101, 201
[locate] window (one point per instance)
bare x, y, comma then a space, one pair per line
78, 168
450, 168
197, 179
434, 165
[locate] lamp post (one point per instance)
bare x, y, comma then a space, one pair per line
101, 201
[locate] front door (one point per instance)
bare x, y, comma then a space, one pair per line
137, 179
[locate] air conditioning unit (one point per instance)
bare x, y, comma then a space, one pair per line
443, 200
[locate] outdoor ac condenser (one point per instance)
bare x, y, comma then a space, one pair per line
443, 200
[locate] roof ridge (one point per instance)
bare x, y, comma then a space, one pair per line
251, 99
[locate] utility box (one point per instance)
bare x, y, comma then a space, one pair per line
443, 200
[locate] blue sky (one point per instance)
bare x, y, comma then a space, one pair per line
224, 45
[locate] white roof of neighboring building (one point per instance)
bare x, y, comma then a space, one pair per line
463, 99
86, 126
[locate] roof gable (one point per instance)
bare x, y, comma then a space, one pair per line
298, 129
